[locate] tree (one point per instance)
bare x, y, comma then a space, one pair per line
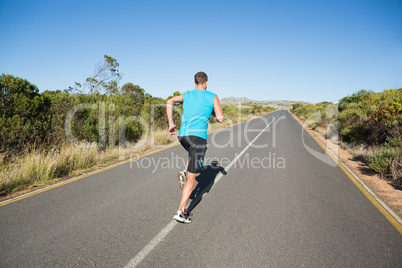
296, 105
135, 92
355, 98
176, 93
24, 114
105, 78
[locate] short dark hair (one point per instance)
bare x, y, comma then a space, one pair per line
200, 78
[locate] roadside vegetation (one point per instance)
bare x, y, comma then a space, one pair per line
369, 125
47, 136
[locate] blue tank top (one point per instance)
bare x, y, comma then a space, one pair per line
197, 109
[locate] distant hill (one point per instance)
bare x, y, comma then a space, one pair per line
280, 105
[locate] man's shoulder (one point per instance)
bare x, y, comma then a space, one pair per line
203, 92
211, 93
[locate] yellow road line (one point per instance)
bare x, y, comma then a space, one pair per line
382, 207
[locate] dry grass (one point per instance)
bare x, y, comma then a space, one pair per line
229, 122
361, 151
322, 130
394, 172
39, 167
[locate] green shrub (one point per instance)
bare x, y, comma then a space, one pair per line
24, 115
230, 111
382, 159
377, 115
367, 119
393, 142
133, 131
295, 106
355, 98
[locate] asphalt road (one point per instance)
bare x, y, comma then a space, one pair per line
276, 206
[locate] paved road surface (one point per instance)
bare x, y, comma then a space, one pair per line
277, 206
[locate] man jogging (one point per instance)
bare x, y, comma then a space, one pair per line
198, 106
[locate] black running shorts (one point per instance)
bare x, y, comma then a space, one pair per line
196, 148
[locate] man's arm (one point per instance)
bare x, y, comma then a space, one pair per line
169, 111
218, 110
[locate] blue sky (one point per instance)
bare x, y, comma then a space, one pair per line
264, 50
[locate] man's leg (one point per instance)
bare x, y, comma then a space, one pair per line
188, 188
182, 176
196, 149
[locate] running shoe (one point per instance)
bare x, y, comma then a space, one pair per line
182, 217
182, 176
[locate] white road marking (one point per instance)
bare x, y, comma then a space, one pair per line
169, 227
151, 245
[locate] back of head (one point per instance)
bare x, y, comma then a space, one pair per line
200, 78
